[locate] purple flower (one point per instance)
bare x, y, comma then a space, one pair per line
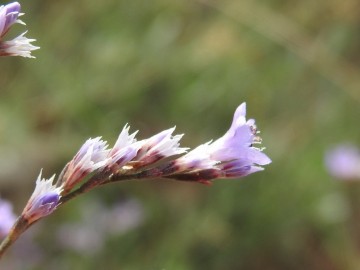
19, 46
43, 201
343, 162
7, 217
8, 16
91, 156
232, 155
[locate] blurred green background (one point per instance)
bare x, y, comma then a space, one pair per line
156, 64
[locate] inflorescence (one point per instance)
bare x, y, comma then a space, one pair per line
233, 155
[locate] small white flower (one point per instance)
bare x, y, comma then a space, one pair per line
159, 146
91, 156
125, 148
19, 46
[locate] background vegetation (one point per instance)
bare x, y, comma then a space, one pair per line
156, 64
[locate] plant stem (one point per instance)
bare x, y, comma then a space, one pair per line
21, 225
18, 228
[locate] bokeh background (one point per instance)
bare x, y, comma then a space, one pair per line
156, 64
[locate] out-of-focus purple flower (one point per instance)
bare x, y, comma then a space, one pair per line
123, 217
91, 156
43, 201
232, 155
7, 217
158, 147
343, 162
83, 238
88, 235
19, 46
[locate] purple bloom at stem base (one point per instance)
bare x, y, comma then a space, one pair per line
43, 201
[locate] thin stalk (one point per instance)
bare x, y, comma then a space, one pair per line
20, 226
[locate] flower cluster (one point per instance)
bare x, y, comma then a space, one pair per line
19, 46
233, 155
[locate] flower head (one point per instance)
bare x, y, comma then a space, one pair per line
91, 156
19, 46
7, 217
343, 162
43, 201
232, 155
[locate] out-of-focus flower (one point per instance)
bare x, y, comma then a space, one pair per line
232, 155
7, 217
123, 217
19, 46
343, 162
43, 201
88, 235
91, 156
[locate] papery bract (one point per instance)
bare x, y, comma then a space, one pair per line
124, 150
91, 156
43, 201
19, 46
159, 146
